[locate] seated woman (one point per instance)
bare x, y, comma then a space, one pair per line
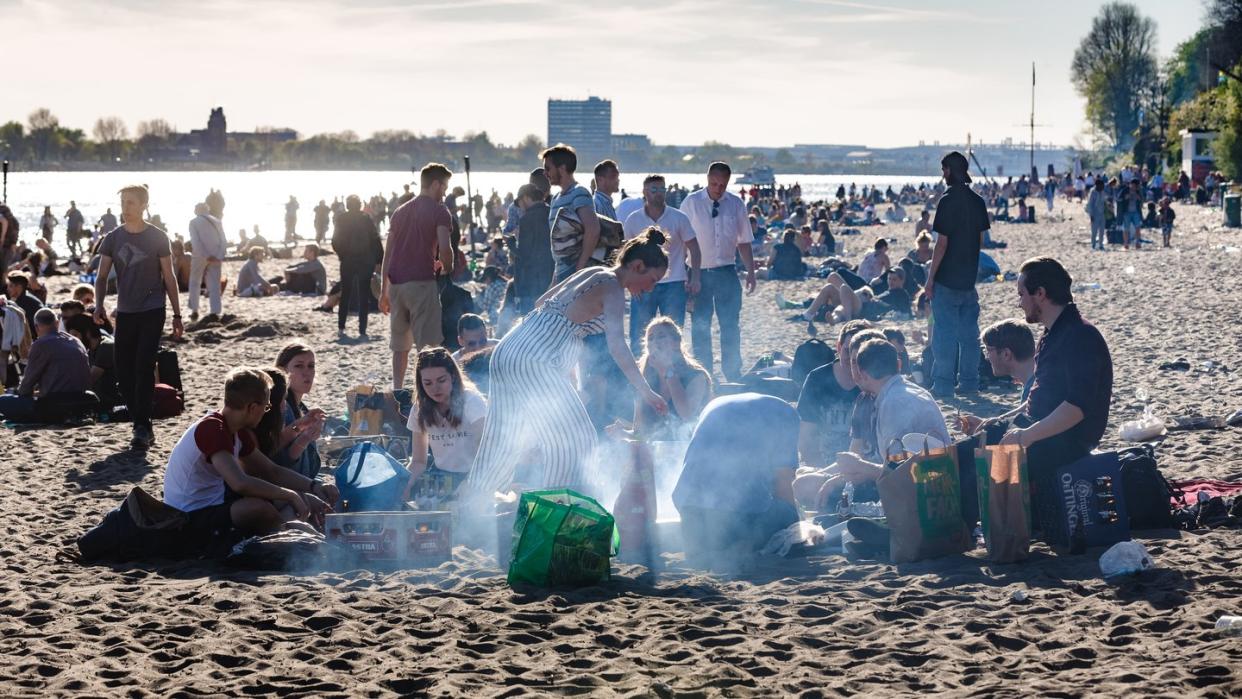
302, 427
786, 261
825, 243
922, 252
805, 241
676, 378
250, 281
448, 417
267, 433
181, 264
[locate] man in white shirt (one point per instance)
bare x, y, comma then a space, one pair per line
669, 295
208, 246
722, 229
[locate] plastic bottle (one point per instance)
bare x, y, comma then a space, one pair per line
1089, 286
847, 500
1229, 625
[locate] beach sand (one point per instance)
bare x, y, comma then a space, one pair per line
805, 627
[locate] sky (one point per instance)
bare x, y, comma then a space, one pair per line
745, 72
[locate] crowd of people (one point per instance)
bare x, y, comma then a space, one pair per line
520, 385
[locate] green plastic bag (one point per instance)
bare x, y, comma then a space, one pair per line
562, 538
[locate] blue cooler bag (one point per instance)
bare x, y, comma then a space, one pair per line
370, 480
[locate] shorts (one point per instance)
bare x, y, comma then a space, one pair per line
415, 315
210, 529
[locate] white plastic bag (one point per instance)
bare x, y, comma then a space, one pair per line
802, 532
1149, 426
1125, 558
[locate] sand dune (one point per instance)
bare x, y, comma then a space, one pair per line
805, 627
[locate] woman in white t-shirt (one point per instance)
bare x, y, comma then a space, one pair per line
447, 417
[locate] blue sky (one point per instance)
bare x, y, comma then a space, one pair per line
746, 72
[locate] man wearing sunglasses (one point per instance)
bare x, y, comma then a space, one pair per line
670, 293
722, 229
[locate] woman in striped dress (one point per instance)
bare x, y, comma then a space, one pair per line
532, 401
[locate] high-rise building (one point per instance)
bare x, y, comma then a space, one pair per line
584, 124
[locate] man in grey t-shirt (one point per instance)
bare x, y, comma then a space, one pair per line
142, 257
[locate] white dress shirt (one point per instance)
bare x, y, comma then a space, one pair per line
718, 237
677, 230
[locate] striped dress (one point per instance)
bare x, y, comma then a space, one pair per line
531, 401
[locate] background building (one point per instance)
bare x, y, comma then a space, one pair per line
584, 124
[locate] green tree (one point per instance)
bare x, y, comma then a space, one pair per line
1113, 66
111, 133
43, 137
1227, 148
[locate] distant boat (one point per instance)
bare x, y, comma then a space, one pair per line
761, 175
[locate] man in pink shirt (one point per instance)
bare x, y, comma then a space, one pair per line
418, 247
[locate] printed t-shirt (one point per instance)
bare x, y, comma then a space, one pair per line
451, 446
824, 403
136, 259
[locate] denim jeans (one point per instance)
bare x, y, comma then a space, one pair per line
665, 299
1098, 236
721, 294
955, 340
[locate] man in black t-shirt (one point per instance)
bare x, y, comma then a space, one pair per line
827, 417
961, 219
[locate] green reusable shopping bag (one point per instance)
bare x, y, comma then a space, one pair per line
922, 502
562, 538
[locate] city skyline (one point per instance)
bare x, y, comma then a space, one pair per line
805, 71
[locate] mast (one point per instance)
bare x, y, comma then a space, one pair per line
1033, 173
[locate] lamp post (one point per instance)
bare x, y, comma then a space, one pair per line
5, 198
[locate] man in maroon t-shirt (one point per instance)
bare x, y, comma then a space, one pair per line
418, 247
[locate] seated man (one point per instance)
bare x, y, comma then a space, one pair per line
307, 276
1010, 348
825, 407
250, 281
472, 335
227, 486
736, 486
19, 294
901, 408
57, 369
100, 352
1067, 408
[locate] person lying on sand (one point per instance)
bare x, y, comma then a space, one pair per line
226, 486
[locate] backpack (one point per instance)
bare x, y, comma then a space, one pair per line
810, 356
1148, 495
139, 528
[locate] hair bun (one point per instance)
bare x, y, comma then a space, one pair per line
656, 236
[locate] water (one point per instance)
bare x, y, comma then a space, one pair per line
258, 198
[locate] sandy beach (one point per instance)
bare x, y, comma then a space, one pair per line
807, 627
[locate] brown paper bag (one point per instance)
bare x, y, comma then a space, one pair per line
922, 502
1004, 502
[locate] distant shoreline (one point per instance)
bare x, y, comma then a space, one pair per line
878, 171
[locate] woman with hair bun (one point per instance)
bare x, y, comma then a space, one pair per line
532, 400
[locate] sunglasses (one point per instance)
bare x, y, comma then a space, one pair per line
715, 209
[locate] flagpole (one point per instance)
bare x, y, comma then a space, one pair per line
1033, 173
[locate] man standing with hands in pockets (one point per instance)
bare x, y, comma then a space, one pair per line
142, 257
721, 226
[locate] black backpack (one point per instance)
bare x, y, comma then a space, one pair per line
139, 528
810, 356
1148, 495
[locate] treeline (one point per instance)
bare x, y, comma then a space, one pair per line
43, 143
1136, 105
